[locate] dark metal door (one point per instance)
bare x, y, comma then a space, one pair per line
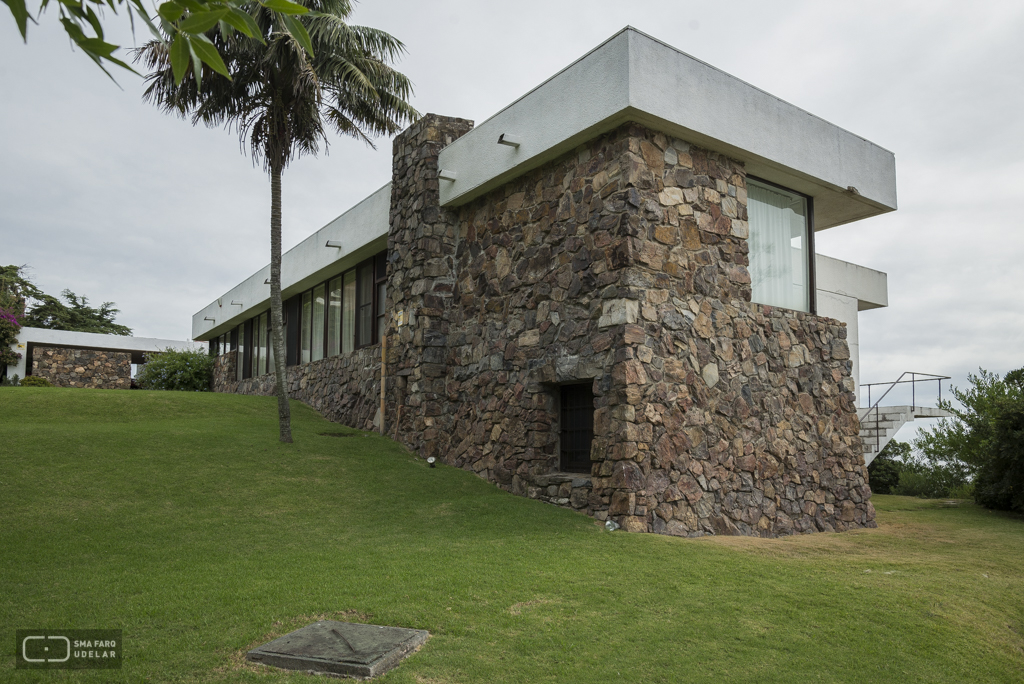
577, 427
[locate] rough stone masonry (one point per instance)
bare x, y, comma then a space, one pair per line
623, 265
83, 367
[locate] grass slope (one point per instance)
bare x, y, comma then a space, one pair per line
180, 519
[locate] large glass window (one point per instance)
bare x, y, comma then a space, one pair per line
364, 310
779, 252
380, 278
307, 311
318, 323
348, 313
270, 344
334, 317
239, 358
263, 344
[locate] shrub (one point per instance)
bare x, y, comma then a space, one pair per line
35, 381
173, 369
884, 471
985, 438
899, 470
12, 381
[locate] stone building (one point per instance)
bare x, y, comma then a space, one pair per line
606, 297
70, 358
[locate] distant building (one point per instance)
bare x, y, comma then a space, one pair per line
68, 358
606, 296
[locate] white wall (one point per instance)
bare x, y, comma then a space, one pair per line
843, 290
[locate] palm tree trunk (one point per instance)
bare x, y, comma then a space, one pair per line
284, 414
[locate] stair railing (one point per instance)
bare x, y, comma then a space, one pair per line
914, 379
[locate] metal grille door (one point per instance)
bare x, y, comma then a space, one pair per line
577, 427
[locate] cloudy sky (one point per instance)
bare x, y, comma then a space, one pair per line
103, 194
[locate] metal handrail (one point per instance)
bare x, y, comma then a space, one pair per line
929, 377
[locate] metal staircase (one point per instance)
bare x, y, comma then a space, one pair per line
879, 424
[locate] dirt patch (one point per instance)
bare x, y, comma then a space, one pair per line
517, 608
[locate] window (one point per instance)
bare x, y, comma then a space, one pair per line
780, 246
364, 304
263, 345
348, 313
577, 427
307, 310
380, 280
318, 323
334, 317
239, 358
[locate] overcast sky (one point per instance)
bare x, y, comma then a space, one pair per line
103, 194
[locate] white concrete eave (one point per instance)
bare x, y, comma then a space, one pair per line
634, 77
869, 287
359, 233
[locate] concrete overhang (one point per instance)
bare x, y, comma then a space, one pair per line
634, 77
869, 287
359, 233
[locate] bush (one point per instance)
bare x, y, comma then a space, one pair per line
35, 381
884, 471
173, 369
12, 381
985, 438
898, 470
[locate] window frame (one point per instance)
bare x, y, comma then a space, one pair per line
294, 311
812, 289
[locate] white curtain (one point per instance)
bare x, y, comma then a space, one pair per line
778, 258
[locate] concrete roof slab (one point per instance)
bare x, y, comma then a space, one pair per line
634, 77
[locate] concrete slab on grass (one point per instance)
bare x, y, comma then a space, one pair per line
343, 648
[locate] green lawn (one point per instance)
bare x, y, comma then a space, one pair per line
181, 520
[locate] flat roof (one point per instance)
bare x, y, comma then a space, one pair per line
629, 77
634, 77
358, 232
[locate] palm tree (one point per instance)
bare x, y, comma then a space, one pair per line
282, 98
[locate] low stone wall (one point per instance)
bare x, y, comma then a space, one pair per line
83, 367
225, 372
344, 389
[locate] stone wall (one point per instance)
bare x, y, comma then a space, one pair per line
225, 372
421, 282
623, 264
83, 367
344, 389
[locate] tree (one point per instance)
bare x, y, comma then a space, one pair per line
183, 22
32, 307
884, 471
77, 315
985, 437
282, 97
16, 289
